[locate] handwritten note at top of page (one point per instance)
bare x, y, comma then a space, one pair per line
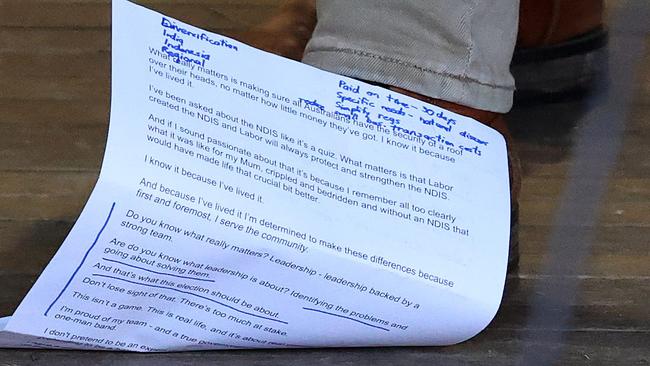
250, 201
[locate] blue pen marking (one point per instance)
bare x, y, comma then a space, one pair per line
173, 36
179, 47
361, 101
156, 272
312, 103
82, 260
179, 54
193, 294
348, 318
428, 111
432, 122
169, 24
373, 122
372, 94
352, 102
390, 119
352, 112
174, 45
399, 112
395, 100
473, 138
348, 87
179, 58
437, 138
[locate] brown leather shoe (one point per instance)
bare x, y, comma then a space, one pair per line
286, 32
496, 121
560, 49
547, 22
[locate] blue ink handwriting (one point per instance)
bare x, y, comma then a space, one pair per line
200, 36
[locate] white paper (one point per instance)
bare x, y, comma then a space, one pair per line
250, 201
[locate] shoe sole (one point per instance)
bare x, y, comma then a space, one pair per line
560, 72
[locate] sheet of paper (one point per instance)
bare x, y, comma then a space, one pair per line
250, 201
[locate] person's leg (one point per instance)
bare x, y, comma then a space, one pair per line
455, 50
452, 53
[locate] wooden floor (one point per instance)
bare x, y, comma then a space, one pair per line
582, 292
